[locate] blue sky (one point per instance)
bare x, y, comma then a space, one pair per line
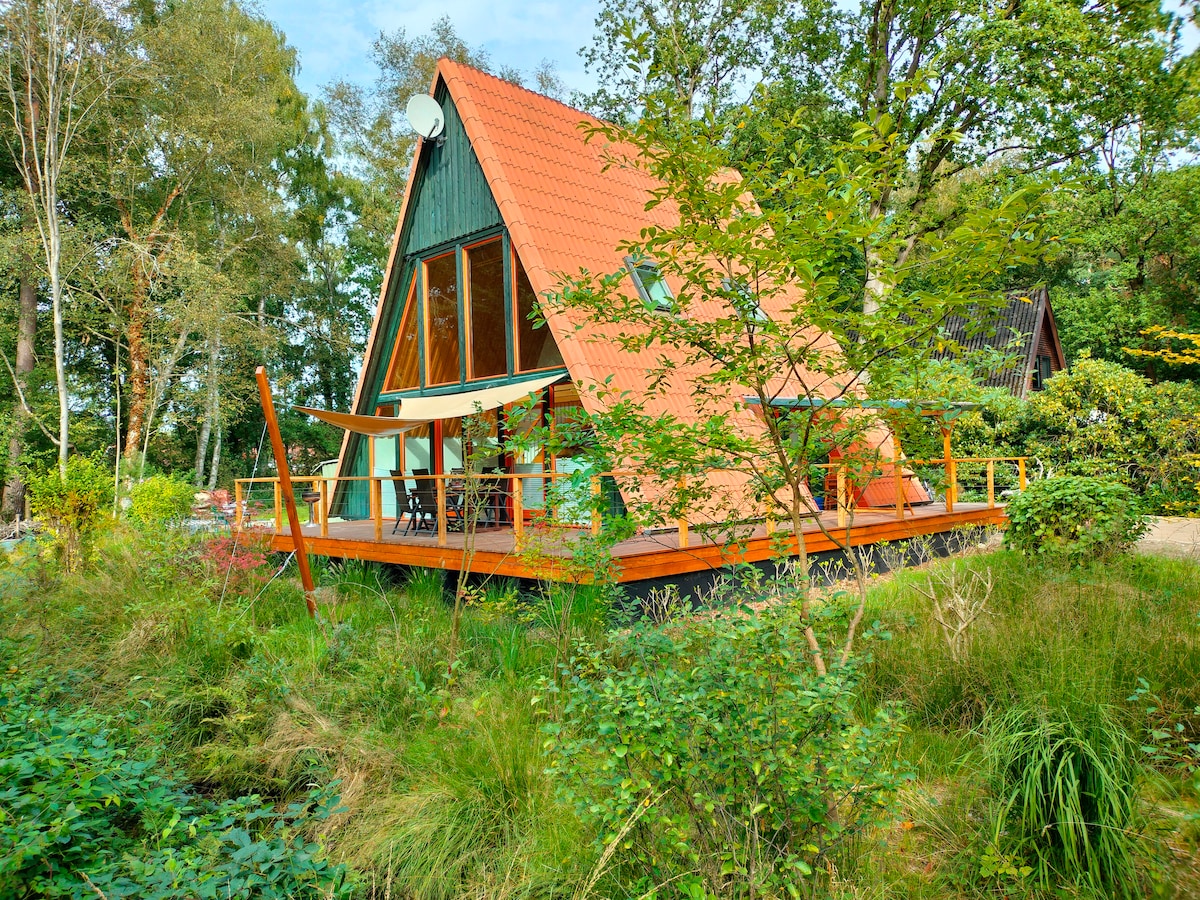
334, 37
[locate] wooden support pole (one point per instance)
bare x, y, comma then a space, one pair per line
284, 485
682, 522
951, 473
376, 485
518, 513
596, 516
843, 516
237, 504
323, 509
991, 476
1021, 472
897, 471
278, 507
441, 510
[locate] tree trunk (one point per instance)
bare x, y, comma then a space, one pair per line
60, 350
875, 288
210, 408
139, 363
202, 450
14, 490
215, 469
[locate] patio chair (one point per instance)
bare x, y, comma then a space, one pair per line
424, 509
495, 500
404, 500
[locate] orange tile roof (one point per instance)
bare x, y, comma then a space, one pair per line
567, 209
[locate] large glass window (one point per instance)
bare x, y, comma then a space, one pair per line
404, 370
442, 360
485, 280
535, 347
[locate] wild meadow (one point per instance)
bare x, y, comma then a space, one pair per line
173, 723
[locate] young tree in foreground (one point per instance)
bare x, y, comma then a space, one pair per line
791, 241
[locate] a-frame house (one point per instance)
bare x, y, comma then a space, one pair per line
511, 196
508, 199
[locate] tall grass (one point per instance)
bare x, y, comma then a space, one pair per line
1067, 781
443, 781
1066, 636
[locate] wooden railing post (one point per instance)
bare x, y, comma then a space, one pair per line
376, 486
278, 507
323, 511
842, 512
991, 476
237, 505
596, 517
951, 484
898, 475
682, 522
441, 510
518, 513
1021, 472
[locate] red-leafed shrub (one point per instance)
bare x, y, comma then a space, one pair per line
238, 562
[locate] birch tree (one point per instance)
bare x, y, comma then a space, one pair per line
61, 63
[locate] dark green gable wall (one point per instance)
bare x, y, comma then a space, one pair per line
450, 199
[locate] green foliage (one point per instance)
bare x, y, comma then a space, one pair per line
74, 507
85, 815
1067, 779
160, 500
1104, 420
1074, 518
712, 757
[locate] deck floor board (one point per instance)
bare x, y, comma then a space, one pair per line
547, 552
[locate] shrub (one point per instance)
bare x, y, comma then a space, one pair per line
1101, 419
237, 563
160, 500
712, 758
84, 816
1075, 518
73, 508
1066, 781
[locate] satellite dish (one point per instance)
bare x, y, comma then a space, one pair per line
425, 115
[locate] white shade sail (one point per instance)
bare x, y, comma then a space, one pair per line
466, 403
375, 426
417, 411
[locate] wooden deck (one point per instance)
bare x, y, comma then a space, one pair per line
546, 552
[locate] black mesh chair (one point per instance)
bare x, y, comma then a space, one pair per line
495, 502
404, 502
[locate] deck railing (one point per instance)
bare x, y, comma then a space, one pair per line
322, 488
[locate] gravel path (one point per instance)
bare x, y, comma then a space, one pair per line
1172, 536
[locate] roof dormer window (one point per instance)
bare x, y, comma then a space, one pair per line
650, 284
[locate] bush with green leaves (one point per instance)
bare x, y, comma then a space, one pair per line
73, 507
1066, 780
1074, 518
160, 500
712, 758
1101, 419
83, 816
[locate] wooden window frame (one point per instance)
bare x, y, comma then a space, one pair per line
465, 307
410, 302
515, 318
456, 253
